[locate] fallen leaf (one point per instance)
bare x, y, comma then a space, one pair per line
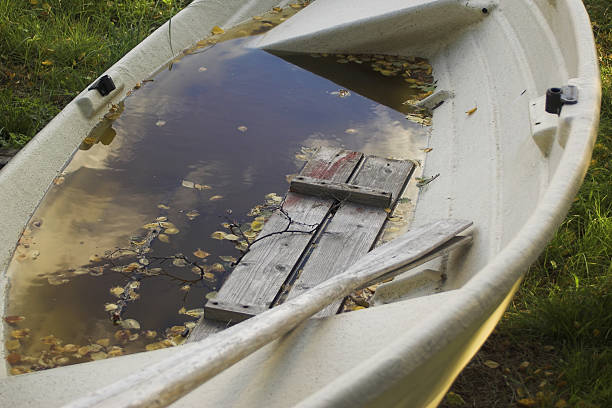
47, 63
171, 231
12, 345
185, 288
301, 157
471, 111
83, 351
217, 30
218, 235
117, 291
100, 355
20, 334
491, 364
217, 267
192, 214
211, 295
103, 342
70, 348
351, 131
202, 187
242, 129
427, 149
14, 319
527, 402
228, 259
180, 262
257, 226
164, 238
232, 237
150, 334
201, 254
130, 324
202, 69
188, 184
115, 351
163, 206
195, 313
13, 358
216, 197
160, 123
250, 234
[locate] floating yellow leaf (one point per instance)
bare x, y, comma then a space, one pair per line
527, 402
100, 355
257, 225
351, 131
115, 351
12, 345
103, 342
228, 259
155, 346
232, 237
95, 258
70, 348
201, 254
164, 238
195, 313
109, 307
471, 111
211, 295
217, 267
83, 351
14, 319
180, 262
163, 206
47, 63
192, 214
20, 334
182, 310
210, 276
150, 334
301, 157
202, 69
216, 197
217, 30
427, 149
218, 235
202, 187
172, 231
250, 234
160, 123
130, 324
117, 291
257, 18
388, 210
185, 288
295, 6
277, 9
242, 128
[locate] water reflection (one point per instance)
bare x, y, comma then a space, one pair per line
181, 151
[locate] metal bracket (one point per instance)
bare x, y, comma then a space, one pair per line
104, 85
557, 97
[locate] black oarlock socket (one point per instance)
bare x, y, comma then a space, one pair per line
104, 85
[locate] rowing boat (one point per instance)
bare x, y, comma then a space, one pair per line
515, 114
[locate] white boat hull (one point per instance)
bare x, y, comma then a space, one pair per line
512, 169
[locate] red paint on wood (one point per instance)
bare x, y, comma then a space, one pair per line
325, 171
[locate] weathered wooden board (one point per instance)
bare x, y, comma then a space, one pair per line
254, 283
341, 191
354, 228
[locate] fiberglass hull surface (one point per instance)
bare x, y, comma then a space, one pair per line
497, 168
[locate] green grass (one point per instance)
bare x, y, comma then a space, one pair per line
560, 322
51, 49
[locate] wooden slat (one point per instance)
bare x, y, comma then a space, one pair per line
352, 231
341, 191
254, 283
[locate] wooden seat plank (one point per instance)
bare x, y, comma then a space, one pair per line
354, 228
254, 283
